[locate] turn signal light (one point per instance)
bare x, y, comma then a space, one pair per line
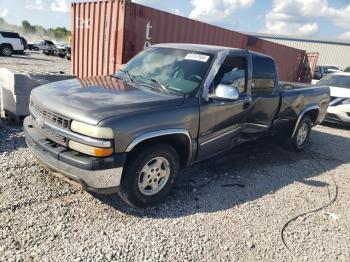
89, 150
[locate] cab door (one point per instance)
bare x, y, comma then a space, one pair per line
221, 120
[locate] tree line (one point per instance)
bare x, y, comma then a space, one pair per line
58, 33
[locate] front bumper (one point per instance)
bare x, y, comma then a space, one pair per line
100, 175
338, 114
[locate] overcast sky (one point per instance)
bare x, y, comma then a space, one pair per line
320, 18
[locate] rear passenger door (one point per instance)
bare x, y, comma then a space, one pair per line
265, 95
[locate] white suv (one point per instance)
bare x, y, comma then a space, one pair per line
10, 42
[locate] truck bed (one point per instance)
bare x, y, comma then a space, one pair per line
284, 85
296, 97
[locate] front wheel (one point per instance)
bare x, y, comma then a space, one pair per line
302, 135
149, 175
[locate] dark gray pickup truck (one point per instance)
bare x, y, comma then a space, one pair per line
169, 107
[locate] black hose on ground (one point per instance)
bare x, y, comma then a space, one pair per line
310, 156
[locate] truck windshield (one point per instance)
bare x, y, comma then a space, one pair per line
335, 80
169, 69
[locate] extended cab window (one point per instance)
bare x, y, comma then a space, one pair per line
264, 75
233, 72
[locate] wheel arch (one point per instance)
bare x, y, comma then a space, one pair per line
180, 139
6, 45
311, 111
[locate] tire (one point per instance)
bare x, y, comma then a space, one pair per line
302, 134
142, 170
6, 50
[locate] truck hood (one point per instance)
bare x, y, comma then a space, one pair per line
93, 99
340, 92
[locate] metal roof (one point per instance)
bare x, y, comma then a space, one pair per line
300, 38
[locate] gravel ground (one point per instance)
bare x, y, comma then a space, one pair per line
35, 62
230, 208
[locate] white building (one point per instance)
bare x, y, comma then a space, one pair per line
331, 52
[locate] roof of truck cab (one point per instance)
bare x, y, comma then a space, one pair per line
196, 47
211, 49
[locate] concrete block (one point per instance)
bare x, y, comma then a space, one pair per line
15, 89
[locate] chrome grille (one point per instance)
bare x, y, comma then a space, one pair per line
54, 137
51, 117
44, 115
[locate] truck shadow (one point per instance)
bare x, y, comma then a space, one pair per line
245, 174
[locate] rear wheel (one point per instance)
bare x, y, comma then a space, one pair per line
6, 50
301, 137
149, 175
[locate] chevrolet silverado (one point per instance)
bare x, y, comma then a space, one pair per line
169, 107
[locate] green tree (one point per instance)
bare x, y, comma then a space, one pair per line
27, 27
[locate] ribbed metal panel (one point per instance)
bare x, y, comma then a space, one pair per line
330, 54
107, 34
98, 29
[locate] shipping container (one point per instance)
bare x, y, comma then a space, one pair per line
106, 34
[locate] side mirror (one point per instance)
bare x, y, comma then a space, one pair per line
225, 92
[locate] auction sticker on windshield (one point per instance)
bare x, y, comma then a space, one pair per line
197, 57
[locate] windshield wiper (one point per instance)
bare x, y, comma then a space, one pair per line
128, 74
160, 85
177, 92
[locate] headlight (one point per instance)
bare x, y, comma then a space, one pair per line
92, 131
89, 150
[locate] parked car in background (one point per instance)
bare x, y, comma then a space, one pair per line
169, 107
25, 43
68, 53
49, 51
322, 71
347, 70
30, 46
42, 45
10, 43
339, 107
61, 50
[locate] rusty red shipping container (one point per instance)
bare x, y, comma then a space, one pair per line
106, 34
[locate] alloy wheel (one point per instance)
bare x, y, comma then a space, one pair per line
154, 176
